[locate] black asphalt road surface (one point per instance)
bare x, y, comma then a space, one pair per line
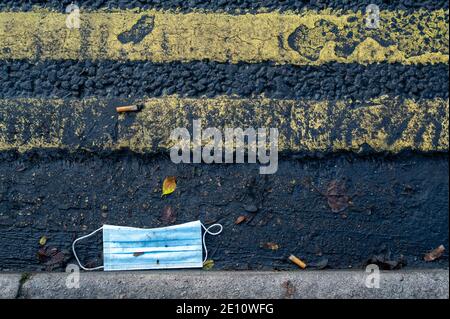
226, 5
397, 211
65, 79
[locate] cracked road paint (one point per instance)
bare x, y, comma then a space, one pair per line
383, 124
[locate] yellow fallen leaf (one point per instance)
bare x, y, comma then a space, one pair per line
169, 185
43, 241
207, 265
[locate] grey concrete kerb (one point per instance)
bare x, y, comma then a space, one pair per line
9, 285
222, 284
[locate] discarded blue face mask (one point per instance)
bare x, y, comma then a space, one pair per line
129, 248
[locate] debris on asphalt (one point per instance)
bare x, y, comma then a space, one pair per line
51, 257
321, 264
169, 185
43, 240
251, 208
240, 219
208, 264
297, 261
271, 246
169, 215
56, 260
42, 254
46, 252
434, 254
386, 262
138, 253
21, 168
128, 108
336, 196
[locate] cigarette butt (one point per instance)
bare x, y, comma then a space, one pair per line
128, 108
297, 261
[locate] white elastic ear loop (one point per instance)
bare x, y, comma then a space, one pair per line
75, 254
207, 231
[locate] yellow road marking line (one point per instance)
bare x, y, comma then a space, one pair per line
385, 124
307, 38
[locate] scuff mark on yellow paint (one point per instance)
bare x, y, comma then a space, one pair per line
307, 37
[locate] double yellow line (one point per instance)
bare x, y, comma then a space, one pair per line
306, 38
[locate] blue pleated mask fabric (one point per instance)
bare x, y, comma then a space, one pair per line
130, 248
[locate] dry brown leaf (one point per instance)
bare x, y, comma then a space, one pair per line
55, 261
56, 258
336, 195
169, 185
42, 254
240, 219
272, 246
47, 252
168, 216
50, 257
434, 254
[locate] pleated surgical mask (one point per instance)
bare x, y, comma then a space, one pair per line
130, 248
